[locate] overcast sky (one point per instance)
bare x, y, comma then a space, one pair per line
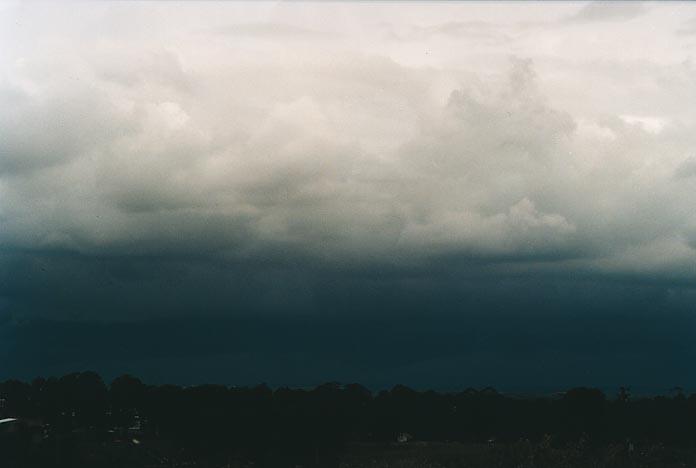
439, 163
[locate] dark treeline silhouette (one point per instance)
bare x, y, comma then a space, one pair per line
290, 427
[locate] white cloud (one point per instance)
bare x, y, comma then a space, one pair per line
352, 146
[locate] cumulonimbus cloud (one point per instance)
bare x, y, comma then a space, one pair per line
332, 153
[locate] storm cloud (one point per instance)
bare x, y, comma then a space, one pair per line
239, 159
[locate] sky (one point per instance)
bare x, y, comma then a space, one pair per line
441, 194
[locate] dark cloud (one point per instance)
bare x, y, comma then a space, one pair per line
514, 350
602, 10
686, 169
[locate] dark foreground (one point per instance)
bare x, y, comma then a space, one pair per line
521, 454
78, 421
413, 454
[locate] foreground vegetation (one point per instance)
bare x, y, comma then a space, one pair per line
77, 420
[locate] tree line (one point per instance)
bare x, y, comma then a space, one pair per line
306, 425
